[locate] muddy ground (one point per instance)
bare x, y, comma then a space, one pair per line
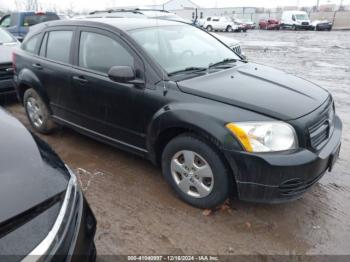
137, 213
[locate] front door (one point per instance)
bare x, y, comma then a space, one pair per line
108, 108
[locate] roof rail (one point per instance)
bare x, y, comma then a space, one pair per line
132, 10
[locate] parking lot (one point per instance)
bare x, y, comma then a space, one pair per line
137, 212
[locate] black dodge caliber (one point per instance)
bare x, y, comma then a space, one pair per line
43, 213
178, 96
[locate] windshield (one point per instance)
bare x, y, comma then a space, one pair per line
301, 17
179, 47
5, 37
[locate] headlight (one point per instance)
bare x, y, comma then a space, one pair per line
264, 136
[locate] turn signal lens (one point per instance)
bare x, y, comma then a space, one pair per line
241, 136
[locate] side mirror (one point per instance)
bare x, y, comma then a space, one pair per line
122, 74
126, 75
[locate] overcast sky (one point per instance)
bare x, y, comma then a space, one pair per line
79, 5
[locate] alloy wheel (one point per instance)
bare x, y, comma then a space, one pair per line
192, 174
34, 111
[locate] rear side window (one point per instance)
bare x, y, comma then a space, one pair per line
100, 53
58, 45
42, 51
216, 20
30, 45
34, 19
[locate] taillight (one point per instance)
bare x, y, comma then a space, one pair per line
14, 62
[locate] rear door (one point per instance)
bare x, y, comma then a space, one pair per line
108, 108
53, 67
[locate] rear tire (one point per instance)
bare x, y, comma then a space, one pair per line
229, 29
209, 28
38, 112
195, 170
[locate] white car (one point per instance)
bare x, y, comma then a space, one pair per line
216, 23
295, 20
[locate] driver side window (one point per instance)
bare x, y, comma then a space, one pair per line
99, 53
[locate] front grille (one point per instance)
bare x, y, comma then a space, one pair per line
237, 49
6, 71
305, 23
321, 130
297, 186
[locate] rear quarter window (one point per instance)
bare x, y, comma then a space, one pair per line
30, 45
58, 45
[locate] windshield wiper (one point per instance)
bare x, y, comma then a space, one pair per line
191, 69
223, 62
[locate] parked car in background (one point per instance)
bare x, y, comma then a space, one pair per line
162, 15
295, 20
231, 43
18, 23
269, 24
242, 27
174, 94
43, 211
216, 23
322, 25
249, 23
7, 45
64, 16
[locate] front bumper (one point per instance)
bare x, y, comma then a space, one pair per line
72, 235
7, 87
306, 27
78, 243
283, 176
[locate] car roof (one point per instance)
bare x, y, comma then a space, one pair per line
124, 24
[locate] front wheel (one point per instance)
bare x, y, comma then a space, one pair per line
209, 28
195, 170
229, 29
38, 112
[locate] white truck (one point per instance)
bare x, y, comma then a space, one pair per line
295, 20
217, 23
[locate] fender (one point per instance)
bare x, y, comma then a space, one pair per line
27, 78
193, 118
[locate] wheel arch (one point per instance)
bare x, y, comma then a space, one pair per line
170, 124
26, 80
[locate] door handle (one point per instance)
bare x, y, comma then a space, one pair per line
37, 66
80, 79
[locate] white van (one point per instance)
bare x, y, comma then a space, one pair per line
295, 20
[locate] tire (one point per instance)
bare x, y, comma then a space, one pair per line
38, 112
182, 158
229, 29
209, 28
294, 27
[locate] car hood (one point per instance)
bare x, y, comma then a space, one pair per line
6, 52
30, 172
259, 88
